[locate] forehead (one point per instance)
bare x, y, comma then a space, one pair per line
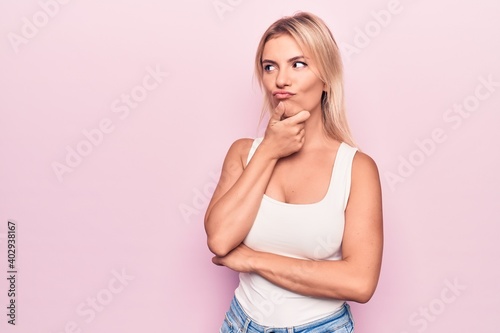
283, 47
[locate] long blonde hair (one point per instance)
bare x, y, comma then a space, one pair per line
311, 32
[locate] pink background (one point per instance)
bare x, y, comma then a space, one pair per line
134, 204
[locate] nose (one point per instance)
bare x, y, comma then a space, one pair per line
282, 78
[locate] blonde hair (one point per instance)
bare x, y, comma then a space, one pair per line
311, 32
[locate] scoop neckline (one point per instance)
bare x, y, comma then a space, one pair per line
335, 162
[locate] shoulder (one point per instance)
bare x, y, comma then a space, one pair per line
241, 146
365, 191
239, 150
364, 169
363, 161
243, 143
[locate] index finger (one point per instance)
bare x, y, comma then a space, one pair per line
278, 112
298, 118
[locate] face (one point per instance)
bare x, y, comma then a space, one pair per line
289, 76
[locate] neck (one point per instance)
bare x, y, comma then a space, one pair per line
315, 135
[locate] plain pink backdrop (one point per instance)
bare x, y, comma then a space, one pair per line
133, 206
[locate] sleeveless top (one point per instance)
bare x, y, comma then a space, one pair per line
306, 231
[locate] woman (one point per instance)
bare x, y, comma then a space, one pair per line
298, 212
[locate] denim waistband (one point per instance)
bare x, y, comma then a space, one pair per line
247, 325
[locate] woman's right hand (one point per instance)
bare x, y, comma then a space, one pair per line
284, 137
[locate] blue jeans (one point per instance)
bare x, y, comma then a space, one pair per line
237, 321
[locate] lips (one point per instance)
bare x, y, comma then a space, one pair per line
282, 94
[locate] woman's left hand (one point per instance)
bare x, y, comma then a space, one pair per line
239, 259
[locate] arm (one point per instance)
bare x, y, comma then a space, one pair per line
355, 277
236, 200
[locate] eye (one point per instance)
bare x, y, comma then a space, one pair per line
299, 64
268, 68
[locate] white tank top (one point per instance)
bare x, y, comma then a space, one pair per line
305, 231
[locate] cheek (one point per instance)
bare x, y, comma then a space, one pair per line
268, 82
312, 84
312, 91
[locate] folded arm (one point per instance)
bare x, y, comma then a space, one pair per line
355, 276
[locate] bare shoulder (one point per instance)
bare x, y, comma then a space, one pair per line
363, 166
365, 198
239, 150
365, 178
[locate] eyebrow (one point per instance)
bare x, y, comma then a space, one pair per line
289, 60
